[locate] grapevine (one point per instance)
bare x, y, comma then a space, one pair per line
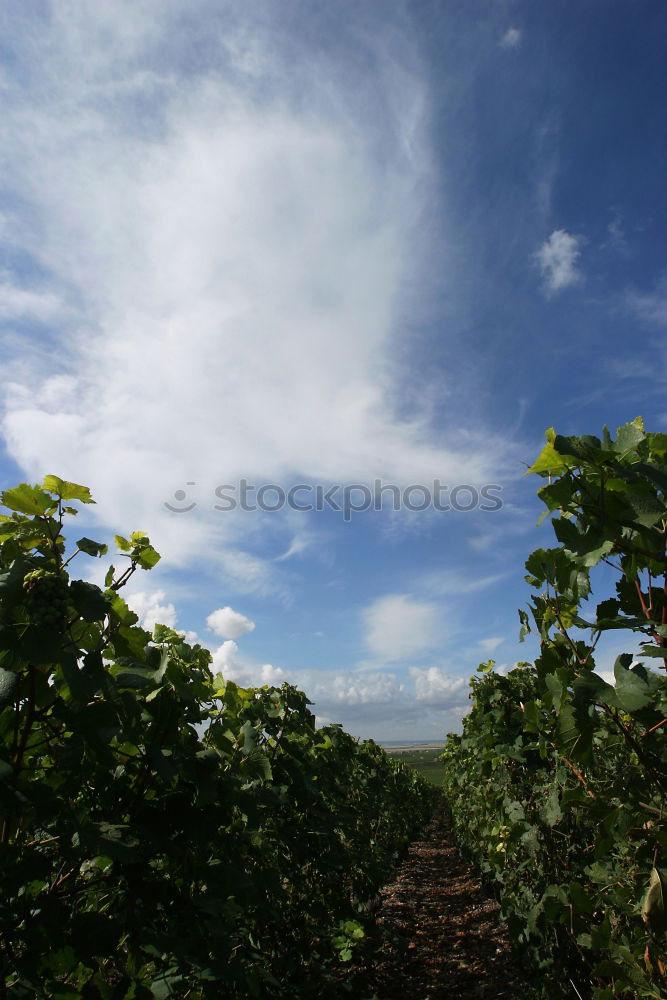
165, 832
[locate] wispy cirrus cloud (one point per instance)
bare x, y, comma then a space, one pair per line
227, 242
490, 644
28, 304
649, 306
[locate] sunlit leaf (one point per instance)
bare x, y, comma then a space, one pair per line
67, 491
28, 500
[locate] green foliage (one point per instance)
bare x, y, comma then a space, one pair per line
558, 783
428, 763
164, 832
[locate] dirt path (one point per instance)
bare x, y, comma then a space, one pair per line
438, 933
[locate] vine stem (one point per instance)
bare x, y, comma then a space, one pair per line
656, 726
577, 774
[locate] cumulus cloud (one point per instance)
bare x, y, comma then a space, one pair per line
354, 689
511, 39
437, 687
229, 624
234, 667
272, 675
219, 230
382, 702
152, 609
557, 258
399, 627
225, 659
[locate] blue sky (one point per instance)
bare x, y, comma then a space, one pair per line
327, 244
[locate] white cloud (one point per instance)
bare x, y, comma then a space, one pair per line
225, 657
381, 704
488, 645
272, 675
221, 231
233, 667
558, 258
435, 686
152, 609
454, 583
355, 689
399, 627
229, 624
650, 306
511, 39
22, 303
617, 239
300, 542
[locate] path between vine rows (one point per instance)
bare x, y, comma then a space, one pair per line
438, 934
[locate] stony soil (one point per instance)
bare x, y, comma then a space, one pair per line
437, 933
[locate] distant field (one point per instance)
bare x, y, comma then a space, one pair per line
422, 758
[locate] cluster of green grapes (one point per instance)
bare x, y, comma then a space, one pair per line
46, 597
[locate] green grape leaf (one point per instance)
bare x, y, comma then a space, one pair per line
162, 633
647, 509
558, 494
122, 611
575, 732
658, 651
249, 737
486, 667
258, 764
163, 987
28, 500
593, 688
92, 548
656, 474
7, 526
629, 436
531, 718
67, 491
580, 898
551, 811
89, 601
632, 691
148, 557
585, 447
